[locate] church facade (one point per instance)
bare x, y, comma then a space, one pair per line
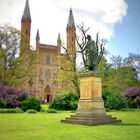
46, 65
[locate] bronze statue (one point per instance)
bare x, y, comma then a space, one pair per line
92, 54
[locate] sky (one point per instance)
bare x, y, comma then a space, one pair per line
117, 21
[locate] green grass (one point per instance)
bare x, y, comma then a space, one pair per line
46, 126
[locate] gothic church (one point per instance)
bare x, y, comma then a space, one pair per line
46, 64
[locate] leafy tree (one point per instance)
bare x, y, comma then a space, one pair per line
133, 60
68, 75
121, 78
118, 75
116, 61
104, 68
12, 69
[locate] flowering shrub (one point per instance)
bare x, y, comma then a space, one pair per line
132, 92
11, 95
132, 95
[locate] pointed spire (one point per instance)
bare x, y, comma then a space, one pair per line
37, 35
59, 38
59, 44
26, 13
70, 19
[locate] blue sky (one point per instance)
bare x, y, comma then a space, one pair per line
118, 21
127, 33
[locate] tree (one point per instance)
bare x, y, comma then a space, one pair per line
120, 79
116, 75
12, 69
68, 72
85, 43
68, 75
116, 61
133, 60
105, 68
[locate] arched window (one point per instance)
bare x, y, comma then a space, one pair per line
48, 60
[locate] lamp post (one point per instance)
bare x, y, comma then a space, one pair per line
30, 83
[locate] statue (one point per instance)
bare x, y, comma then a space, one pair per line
91, 54
91, 51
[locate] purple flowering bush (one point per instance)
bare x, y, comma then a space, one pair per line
132, 96
10, 96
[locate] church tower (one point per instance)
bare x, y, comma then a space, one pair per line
25, 28
71, 29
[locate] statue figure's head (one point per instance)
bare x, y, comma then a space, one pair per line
89, 37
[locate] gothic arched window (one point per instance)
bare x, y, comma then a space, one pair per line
48, 60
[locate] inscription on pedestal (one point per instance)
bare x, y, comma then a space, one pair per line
90, 87
85, 90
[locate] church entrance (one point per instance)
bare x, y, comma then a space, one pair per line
47, 94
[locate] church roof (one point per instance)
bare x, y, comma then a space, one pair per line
26, 13
70, 19
47, 46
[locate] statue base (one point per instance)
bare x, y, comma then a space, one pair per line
91, 109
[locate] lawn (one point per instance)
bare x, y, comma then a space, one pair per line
47, 126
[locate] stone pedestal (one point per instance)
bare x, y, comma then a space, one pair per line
91, 109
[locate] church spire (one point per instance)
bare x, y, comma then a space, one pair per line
25, 28
37, 35
26, 13
58, 38
71, 30
70, 20
59, 44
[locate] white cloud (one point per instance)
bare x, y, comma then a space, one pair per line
51, 16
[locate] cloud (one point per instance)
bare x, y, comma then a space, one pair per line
99, 14
51, 16
10, 3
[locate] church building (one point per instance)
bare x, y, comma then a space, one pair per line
46, 64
